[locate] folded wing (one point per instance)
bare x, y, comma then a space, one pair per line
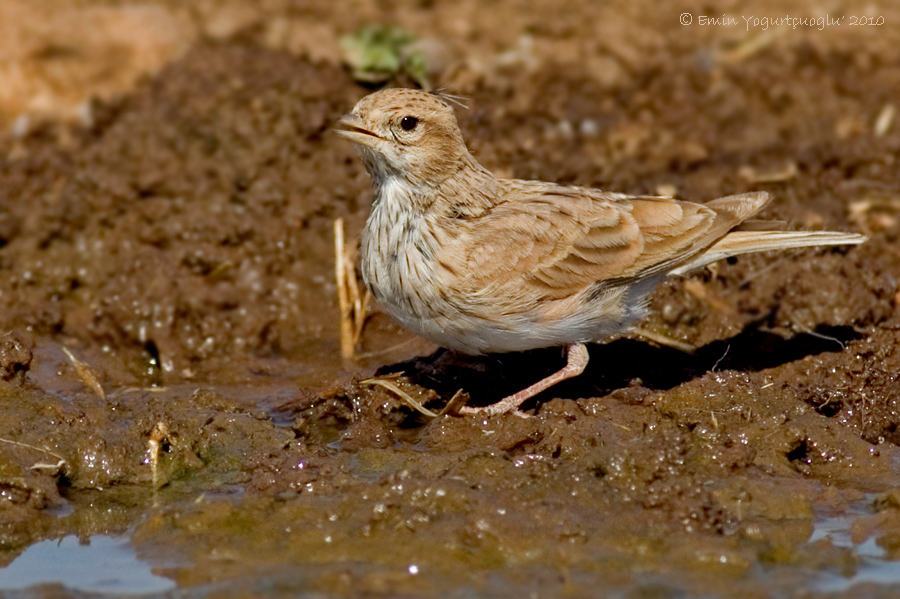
557, 241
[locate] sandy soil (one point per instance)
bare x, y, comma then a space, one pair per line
168, 188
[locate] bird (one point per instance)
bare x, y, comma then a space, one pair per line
480, 264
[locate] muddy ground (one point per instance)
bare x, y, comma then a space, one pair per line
167, 218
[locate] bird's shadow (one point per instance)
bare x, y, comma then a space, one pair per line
620, 364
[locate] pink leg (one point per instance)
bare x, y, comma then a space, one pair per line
577, 359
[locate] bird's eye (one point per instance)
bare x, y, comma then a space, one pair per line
408, 123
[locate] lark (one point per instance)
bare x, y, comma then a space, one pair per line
480, 264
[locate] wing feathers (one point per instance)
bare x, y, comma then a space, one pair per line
552, 242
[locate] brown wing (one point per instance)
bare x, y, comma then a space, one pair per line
559, 240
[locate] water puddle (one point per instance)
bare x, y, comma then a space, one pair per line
104, 564
873, 565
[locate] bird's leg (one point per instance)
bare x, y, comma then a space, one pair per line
577, 359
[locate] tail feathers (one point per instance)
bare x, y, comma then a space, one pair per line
747, 242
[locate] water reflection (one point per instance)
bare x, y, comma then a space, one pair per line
103, 564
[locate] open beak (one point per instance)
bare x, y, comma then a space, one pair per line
350, 128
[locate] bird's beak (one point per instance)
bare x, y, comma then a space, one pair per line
350, 128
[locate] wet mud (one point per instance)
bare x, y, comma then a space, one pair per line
169, 326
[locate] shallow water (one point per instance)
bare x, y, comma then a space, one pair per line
108, 566
100, 564
874, 563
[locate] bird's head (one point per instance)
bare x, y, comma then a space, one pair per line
406, 133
